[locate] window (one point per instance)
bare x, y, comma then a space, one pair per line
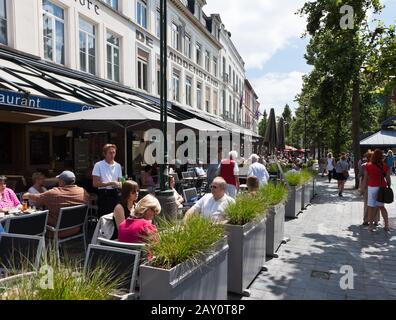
207, 99
198, 56
199, 95
207, 60
187, 45
54, 32
175, 36
87, 47
158, 70
143, 59
215, 67
188, 91
3, 22
141, 13
113, 4
229, 73
215, 102
176, 86
113, 57
158, 22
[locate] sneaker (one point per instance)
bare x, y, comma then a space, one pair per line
365, 224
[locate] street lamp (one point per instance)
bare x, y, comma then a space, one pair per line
305, 133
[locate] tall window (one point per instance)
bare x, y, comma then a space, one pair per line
54, 32
176, 86
175, 36
215, 102
188, 91
141, 13
142, 69
113, 57
87, 47
207, 99
199, 95
198, 54
229, 73
158, 73
207, 60
187, 45
158, 22
3, 22
215, 67
113, 4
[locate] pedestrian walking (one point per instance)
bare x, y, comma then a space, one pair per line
330, 166
390, 160
106, 176
363, 189
376, 176
342, 173
258, 170
229, 171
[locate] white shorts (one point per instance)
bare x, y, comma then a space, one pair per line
372, 195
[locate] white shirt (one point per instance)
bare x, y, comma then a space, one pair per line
260, 171
330, 165
107, 172
212, 209
33, 190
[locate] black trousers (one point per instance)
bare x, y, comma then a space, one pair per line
107, 200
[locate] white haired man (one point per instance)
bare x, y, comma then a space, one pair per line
229, 171
212, 205
258, 170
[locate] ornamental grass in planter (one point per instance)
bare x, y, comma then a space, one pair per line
61, 281
294, 181
246, 239
306, 178
189, 261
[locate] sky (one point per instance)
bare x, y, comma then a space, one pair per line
267, 34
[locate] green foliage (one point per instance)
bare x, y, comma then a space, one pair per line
263, 124
247, 208
177, 243
293, 178
69, 282
273, 167
273, 194
306, 176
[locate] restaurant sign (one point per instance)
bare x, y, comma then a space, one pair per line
10, 98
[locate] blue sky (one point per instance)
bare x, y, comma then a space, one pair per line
267, 33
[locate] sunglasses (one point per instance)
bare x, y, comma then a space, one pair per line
214, 187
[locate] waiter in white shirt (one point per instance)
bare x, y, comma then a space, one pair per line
106, 176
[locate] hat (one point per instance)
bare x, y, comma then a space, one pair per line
67, 176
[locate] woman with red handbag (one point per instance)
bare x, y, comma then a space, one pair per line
376, 176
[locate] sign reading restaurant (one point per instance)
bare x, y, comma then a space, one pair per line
16, 99
90, 4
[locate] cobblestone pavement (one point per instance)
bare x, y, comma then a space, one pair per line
326, 237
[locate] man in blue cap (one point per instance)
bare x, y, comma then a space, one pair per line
68, 194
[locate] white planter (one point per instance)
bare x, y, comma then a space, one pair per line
293, 204
275, 229
202, 280
246, 256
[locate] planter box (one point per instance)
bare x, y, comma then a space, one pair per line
314, 189
293, 204
246, 255
306, 195
203, 280
275, 229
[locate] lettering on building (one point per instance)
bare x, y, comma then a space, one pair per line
140, 36
90, 4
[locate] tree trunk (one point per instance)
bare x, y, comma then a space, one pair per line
356, 127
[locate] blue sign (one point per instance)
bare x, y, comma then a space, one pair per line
16, 99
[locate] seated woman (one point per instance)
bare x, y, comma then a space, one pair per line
37, 187
126, 207
147, 179
179, 199
253, 184
137, 228
8, 198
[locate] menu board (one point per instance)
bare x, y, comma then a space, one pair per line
81, 155
39, 148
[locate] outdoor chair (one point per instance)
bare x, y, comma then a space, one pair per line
93, 208
29, 224
122, 245
20, 252
123, 262
70, 218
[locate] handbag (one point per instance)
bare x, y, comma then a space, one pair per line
385, 194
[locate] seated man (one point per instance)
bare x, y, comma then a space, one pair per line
213, 205
66, 195
199, 170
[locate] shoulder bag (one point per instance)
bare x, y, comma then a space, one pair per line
385, 194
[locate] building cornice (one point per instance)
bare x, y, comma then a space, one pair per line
179, 5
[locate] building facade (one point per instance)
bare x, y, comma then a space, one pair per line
251, 107
117, 42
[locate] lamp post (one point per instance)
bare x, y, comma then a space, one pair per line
305, 133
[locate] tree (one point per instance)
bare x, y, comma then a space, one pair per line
287, 117
342, 50
263, 124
